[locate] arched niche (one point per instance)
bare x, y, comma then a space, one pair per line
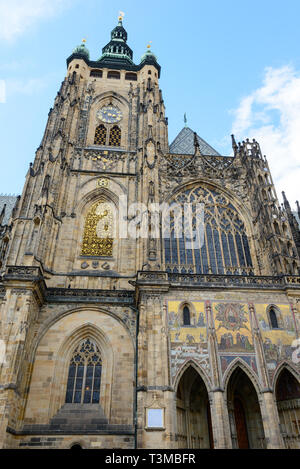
193, 416
101, 340
244, 411
287, 392
51, 359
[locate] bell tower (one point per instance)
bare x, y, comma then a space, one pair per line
102, 141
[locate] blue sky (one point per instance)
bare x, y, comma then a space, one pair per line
232, 66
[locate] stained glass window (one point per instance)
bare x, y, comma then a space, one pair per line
224, 247
115, 136
100, 135
83, 386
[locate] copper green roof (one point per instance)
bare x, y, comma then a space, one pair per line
116, 54
82, 50
117, 48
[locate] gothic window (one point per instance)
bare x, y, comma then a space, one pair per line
100, 135
98, 230
273, 319
115, 136
186, 316
83, 386
221, 243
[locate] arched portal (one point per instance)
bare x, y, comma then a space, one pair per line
244, 412
76, 447
288, 404
194, 429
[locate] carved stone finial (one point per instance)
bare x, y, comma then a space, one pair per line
286, 202
234, 145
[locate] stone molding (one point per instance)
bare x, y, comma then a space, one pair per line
203, 280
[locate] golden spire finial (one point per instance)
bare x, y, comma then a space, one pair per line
149, 45
121, 15
84, 41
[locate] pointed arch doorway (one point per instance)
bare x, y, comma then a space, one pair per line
288, 405
194, 427
244, 412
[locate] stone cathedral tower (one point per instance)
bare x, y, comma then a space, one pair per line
152, 340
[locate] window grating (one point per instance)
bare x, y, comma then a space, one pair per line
115, 136
100, 135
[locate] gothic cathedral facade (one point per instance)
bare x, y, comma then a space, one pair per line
118, 329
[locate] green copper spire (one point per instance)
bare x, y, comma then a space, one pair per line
117, 49
82, 50
149, 56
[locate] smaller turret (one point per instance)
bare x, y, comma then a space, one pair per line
82, 50
149, 57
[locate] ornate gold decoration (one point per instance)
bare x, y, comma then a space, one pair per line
98, 230
105, 160
103, 182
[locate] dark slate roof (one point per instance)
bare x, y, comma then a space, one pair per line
184, 144
10, 201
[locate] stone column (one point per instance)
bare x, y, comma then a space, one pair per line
18, 313
267, 402
219, 412
271, 421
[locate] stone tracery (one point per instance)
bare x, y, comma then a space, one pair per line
225, 248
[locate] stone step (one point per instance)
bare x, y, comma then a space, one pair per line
79, 414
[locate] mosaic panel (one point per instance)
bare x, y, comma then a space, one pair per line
276, 342
187, 342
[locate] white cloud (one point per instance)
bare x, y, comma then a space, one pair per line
17, 16
271, 115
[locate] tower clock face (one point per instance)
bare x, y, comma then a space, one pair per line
109, 114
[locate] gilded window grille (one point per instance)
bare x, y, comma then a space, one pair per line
115, 136
225, 249
84, 378
98, 230
100, 135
